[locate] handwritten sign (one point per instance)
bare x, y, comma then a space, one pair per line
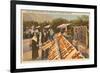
66, 49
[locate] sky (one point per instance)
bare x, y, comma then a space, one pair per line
41, 16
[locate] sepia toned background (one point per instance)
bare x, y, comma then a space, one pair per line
73, 26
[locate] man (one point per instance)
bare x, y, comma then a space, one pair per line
50, 34
34, 47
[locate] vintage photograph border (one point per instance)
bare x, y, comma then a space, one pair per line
13, 35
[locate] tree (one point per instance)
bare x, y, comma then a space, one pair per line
85, 19
58, 21
27, 24
81, 20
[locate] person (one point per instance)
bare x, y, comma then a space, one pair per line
34, 47
51, 34
44, 36
75, 44
65, 33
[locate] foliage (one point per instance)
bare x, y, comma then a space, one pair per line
58, 21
